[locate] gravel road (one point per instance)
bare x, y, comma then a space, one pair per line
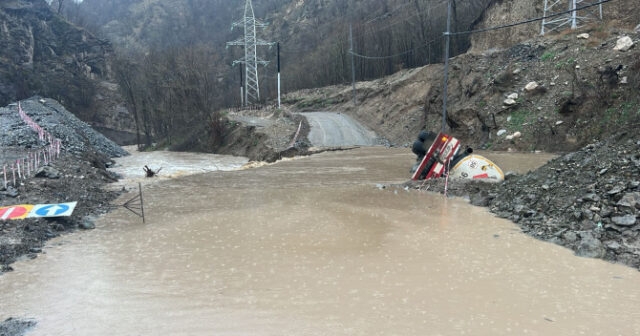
329, 129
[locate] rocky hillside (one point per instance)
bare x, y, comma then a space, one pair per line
41, 53
553, 94
618, 13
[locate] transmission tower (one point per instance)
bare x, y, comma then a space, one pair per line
572, 19
250, 42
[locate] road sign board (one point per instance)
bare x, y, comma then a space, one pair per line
15, 211
53, 210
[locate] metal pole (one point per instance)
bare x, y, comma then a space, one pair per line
600, 11
241, 89
353, 67
574, 15
446, 69
544, 21
278, 74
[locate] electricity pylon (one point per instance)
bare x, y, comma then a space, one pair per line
250, 42
573, 19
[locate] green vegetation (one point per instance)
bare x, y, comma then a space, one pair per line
547, 56
624, 113
518, 118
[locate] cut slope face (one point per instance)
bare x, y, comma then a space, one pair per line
330, 129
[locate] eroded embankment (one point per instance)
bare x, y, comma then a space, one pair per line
588, 200
260, 135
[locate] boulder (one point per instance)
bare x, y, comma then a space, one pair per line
48, 172
10, 192
87, 224
501, 132
623, 44
531, 86
513, 96
590, 247
510, 102
626, 220
630, 200
583, 36
516, 135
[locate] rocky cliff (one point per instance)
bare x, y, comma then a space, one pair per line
41, 53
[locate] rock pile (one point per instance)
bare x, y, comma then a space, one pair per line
587, 200
76, 135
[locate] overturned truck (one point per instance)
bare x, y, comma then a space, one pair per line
444, 158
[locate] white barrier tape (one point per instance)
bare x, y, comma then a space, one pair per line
4, 173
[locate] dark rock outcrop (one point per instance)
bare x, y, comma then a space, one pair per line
43, 54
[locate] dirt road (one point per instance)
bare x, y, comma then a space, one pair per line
336, 129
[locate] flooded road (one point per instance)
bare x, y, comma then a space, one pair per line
311, 247
172, 164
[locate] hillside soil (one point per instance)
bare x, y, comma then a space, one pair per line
579, 89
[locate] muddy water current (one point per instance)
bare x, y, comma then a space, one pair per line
311, 247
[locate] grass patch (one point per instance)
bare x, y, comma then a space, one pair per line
518, 118
547, 56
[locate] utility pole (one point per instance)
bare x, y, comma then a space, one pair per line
447, 35
241, 89
278, 74
353, 67
571, 19
250, 42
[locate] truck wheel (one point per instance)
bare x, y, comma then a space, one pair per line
418, 148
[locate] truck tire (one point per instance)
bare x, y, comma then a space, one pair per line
418, 148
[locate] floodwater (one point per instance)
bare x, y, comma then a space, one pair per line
311, 247
172, 164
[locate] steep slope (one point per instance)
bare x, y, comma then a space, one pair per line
618, 13
41, 53
585, 90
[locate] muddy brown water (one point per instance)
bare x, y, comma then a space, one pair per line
311, 247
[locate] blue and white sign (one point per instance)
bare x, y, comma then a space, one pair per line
52, 210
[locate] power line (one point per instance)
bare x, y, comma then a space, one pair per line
398, 54
527, 21
401, 20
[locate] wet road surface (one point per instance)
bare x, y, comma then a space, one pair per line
329, 129
311, 247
